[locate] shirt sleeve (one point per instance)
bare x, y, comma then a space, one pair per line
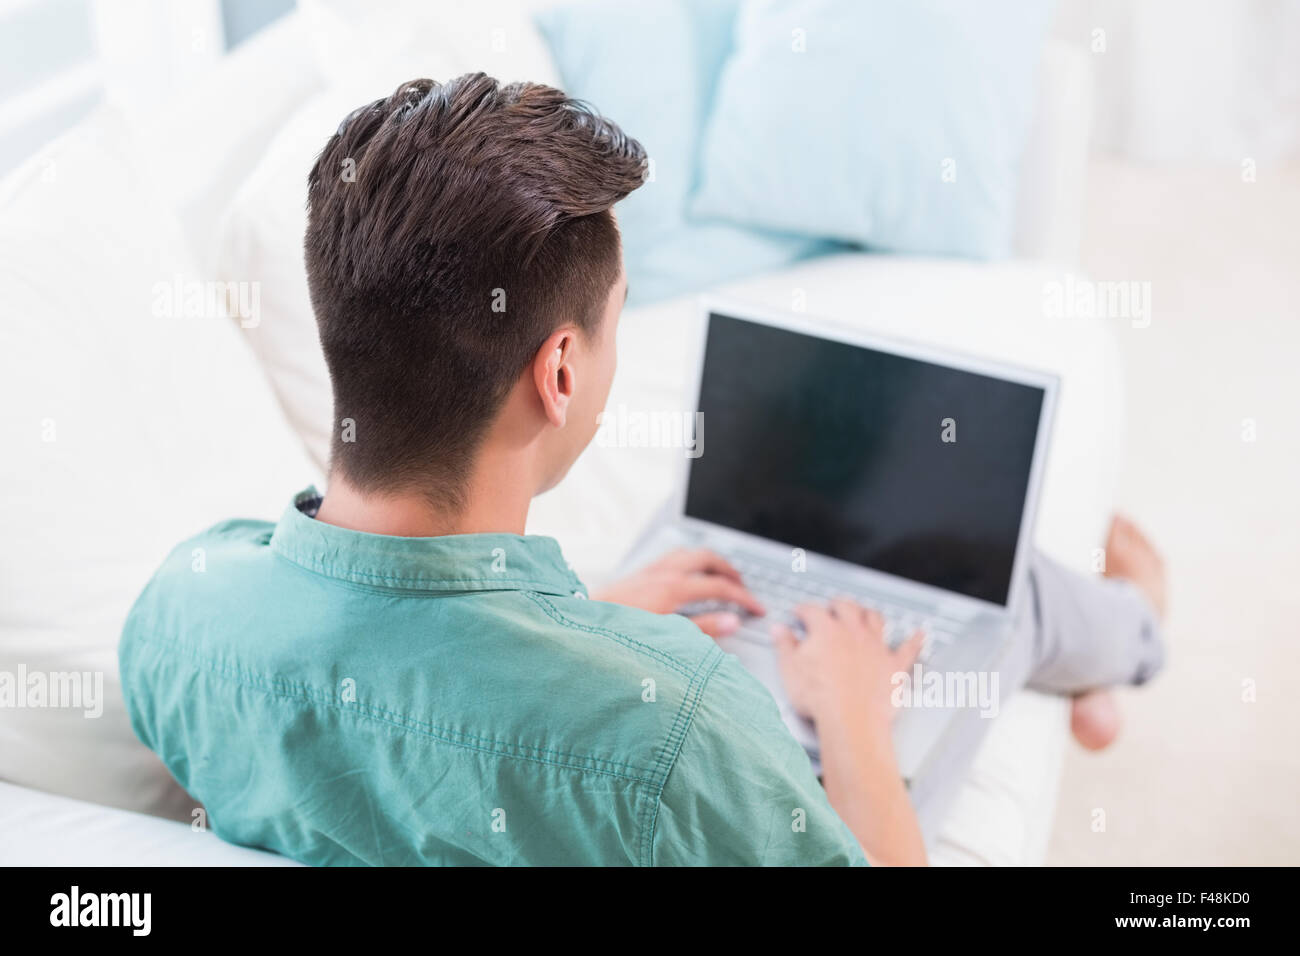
742, 791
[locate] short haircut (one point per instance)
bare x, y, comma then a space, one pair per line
452, 227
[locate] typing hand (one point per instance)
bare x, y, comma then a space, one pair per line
842, 670
682, 578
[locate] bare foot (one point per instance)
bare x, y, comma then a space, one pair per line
1095, 719
1094, 715
1131, 556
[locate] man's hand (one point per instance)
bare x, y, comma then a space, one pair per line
841, 677
843, 671
686, 577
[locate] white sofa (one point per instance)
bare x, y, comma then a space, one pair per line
128, 430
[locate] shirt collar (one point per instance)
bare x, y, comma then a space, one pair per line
454, 562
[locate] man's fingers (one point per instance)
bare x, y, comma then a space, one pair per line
850, 612
785, 642
875, 622
719, 624
700, 561
714, 587
905, 654
814, 616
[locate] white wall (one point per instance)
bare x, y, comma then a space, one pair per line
1192, 80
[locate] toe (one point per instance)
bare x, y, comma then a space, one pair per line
1095, 719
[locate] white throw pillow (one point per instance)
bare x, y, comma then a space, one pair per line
261, 237
127, 426
374, 48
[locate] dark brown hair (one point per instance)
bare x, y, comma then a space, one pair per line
451, 228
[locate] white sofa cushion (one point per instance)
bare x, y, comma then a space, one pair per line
128, 426
356, 46
41, 829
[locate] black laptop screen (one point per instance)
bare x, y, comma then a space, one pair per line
841, 450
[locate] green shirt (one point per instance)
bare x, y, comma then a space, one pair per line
349, 698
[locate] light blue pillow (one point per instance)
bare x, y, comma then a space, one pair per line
653, 69
896, 124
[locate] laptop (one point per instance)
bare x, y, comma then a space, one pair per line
831, 462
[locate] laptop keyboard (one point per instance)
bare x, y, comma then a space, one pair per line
780, 591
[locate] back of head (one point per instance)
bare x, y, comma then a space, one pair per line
451, 229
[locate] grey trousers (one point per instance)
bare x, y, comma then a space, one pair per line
1073, 633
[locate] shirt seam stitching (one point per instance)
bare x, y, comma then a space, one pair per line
560, 617
673, 746
500, 748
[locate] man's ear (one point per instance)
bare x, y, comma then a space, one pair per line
553, 374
